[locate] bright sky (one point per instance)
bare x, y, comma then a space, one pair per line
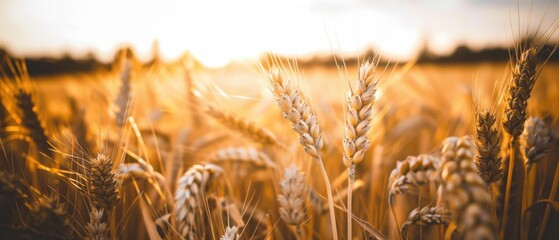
221, 30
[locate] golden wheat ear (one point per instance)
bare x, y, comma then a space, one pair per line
30, 119
425, 216
97, 228
488, 145
188, 198
247, 128
292, 200
103, 184
295, 109
231, 233
535, 141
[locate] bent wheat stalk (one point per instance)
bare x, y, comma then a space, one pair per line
296, 110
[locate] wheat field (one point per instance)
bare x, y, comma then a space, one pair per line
272, 150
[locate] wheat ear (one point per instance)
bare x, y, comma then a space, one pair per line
243, 126
535, 141
189, 196
48, 214
465, 191
246, 155
103, 185
97, 228
296, 110
293, 197
123, 98
488, 159
519, 91
425, 216
359, 111
30, 120
9, 186
231, 233
412, 173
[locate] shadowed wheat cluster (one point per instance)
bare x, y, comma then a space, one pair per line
463, 151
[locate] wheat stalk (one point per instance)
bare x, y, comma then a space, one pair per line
359, 111
103, 185
519, 91
188, 197
488, 159
243, 126
245, 155
465, 191
97, 228
296, 110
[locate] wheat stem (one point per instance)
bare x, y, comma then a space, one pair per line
552, 195
350, 182
330, 198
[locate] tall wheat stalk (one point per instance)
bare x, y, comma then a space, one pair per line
359, 111
519, 91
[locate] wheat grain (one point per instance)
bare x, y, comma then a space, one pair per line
97, 228
535, 141
103, 185
425, 216
122, 101
293, 196
464, 190
246, 155
519, 91
10, 187
488, 159
243, 126
30, 120
359, 110
412, 173
231, 233
295, 109
188, 197
358, 116
48, 215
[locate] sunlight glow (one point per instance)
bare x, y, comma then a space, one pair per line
218, 31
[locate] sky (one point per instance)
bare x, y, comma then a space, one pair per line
217, 31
